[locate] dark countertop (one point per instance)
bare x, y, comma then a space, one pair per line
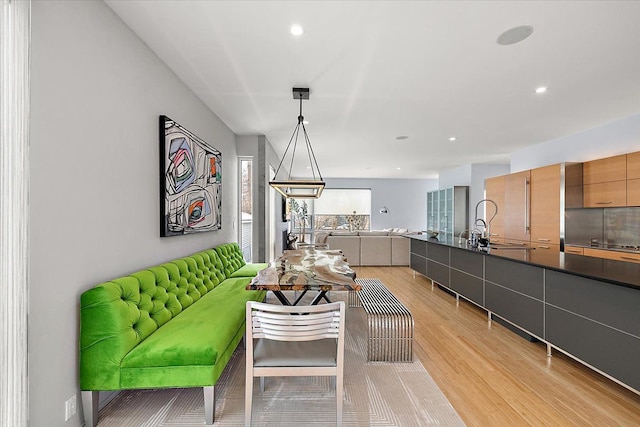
616, 272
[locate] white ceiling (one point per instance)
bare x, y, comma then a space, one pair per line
380, 69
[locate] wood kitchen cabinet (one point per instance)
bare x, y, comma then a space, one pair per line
633, 165
633, 179
494, 190
619, 256
633, 192
517, 202
576, 250
546, 247
545, 205
605, 182
605, 170
605, 194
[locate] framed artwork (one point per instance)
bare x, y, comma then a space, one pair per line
190, 182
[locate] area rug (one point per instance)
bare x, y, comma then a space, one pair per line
376, 394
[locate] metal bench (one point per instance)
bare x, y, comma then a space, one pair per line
390, 324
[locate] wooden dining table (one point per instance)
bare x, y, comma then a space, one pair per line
304, 270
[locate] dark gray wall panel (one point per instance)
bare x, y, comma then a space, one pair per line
438, 253
611, 351
470, 286
523, 278
467, 261
617, 306
419, 264
419, 247
519, 309
438, 272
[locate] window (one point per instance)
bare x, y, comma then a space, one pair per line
347, 209
246, 211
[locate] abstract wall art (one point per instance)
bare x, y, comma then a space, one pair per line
190, 182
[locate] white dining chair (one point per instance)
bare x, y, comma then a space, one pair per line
285, 341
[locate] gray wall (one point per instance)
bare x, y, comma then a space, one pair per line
97, 91
406, 200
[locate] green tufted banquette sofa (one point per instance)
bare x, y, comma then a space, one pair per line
170, 326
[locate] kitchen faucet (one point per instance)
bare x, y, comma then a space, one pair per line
477, 234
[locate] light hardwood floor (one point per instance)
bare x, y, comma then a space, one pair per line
492, 376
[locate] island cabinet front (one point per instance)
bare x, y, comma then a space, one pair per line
418, 256
438, 263
515, 292
596, 322
589, 317
467, 274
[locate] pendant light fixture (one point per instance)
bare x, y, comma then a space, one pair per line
299, 188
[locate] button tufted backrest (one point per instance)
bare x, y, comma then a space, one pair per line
168, 280
157, 297
111, 324
231, 257
117, 315
209, 263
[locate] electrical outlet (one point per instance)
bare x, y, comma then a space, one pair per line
70, 407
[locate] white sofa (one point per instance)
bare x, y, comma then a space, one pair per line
369, 248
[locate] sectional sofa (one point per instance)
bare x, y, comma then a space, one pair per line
370, 248
174, 325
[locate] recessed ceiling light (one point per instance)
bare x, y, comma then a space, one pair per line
452, 138
541, 89
296, 30
401, 137
398, 168
514, 35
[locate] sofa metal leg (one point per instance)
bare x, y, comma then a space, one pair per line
90, 407
209, 404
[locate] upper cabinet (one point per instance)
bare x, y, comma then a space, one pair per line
633, 165
545, 205
605, 170
633, 179
605, 182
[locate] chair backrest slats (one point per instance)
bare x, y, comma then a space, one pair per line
300, 323
269, 322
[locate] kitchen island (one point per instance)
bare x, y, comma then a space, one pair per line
587, 308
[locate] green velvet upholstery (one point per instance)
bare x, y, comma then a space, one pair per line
231, 257
172, 325
249, 270
233, 262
